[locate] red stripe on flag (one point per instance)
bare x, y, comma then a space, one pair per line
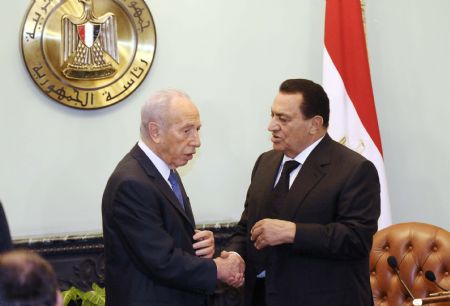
81, 33
346, 43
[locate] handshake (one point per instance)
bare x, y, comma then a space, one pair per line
230, 268
230, 265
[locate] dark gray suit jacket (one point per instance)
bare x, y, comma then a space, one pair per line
335, 202
148, 240
5, 237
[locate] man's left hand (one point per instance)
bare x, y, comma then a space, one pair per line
270, 232
204, 247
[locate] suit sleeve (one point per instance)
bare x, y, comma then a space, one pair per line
239, 239
349, 236
5, 237
140, 220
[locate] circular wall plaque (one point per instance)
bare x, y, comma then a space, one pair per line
88, 54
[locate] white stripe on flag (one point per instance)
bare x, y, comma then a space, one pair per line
89, 34
345, 122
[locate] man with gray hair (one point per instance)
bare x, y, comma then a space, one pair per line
154, 254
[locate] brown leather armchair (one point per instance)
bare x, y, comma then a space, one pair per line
417, 248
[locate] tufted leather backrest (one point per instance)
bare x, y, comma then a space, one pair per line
418, 247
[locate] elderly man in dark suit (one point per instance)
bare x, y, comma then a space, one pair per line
5, 237
154, 255
311, 211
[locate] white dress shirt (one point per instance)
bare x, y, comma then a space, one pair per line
301, 158
160, 165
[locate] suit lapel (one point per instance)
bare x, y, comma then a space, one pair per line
267, 184
162, 184
310, 174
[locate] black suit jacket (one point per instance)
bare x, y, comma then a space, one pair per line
148, 240
335, 203
5, 237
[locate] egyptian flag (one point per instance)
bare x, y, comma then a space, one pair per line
346, 79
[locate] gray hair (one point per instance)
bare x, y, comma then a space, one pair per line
156, 108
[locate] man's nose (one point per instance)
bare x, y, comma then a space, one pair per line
273, 126
196, 140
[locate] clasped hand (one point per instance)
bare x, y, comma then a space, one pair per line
230, 265
230, 268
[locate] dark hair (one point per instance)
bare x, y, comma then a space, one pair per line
26, 279
315, 99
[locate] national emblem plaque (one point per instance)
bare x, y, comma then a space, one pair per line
88, 54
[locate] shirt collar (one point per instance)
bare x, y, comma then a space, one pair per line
162, 167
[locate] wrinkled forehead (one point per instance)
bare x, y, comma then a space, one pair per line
183, 111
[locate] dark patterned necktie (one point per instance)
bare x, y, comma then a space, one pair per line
282, 187
176, 187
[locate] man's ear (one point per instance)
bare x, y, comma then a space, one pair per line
154, 131
316, 125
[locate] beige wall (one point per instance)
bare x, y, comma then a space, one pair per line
230, 56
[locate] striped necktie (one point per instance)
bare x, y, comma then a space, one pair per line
176, 187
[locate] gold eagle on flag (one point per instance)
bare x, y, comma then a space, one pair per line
89, 44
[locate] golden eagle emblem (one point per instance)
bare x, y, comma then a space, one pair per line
89, 44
